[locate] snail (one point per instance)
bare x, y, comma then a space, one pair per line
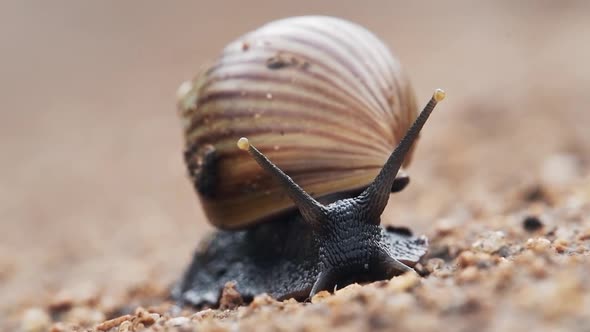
319, 104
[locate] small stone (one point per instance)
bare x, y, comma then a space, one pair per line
465, 259
203, 314
320, 297
126, 326
404, 282
561, 245
349, 290
109, 324
490, 243
538, 245
262, 300
145, 317
434, 264
35, 320
230, 297
532, 224
178, 321
504, 251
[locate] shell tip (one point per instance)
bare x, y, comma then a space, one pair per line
243, 143
439, 95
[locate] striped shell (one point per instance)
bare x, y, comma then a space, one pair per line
323, 98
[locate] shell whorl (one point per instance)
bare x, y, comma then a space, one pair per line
321, 97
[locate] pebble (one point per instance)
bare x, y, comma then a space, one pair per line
465, 259
262, 300
320, 297
203, 314
230, 297
109, 324
349, 290
404, 282
126, 326
490, 242
178, 321
561, 245
434, 264
532, 224
538, 245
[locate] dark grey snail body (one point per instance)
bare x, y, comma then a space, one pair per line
311, 244
284, 258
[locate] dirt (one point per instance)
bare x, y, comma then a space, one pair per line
99, 219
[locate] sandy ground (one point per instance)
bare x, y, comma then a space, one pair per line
98, 217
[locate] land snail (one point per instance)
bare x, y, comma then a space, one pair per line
319, 104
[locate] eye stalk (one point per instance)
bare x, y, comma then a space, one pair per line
313, 212
374, 199
370, 202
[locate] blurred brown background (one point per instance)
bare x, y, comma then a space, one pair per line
93, 192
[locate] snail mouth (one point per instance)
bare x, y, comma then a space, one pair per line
339, 278
364, 277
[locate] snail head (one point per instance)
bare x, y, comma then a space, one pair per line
347, 231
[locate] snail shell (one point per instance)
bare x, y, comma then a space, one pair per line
321, 97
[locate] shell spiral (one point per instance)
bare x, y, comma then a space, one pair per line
323, 98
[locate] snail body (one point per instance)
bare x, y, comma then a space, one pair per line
326, 102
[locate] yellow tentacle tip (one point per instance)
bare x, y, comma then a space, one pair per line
439, 95
243, 143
